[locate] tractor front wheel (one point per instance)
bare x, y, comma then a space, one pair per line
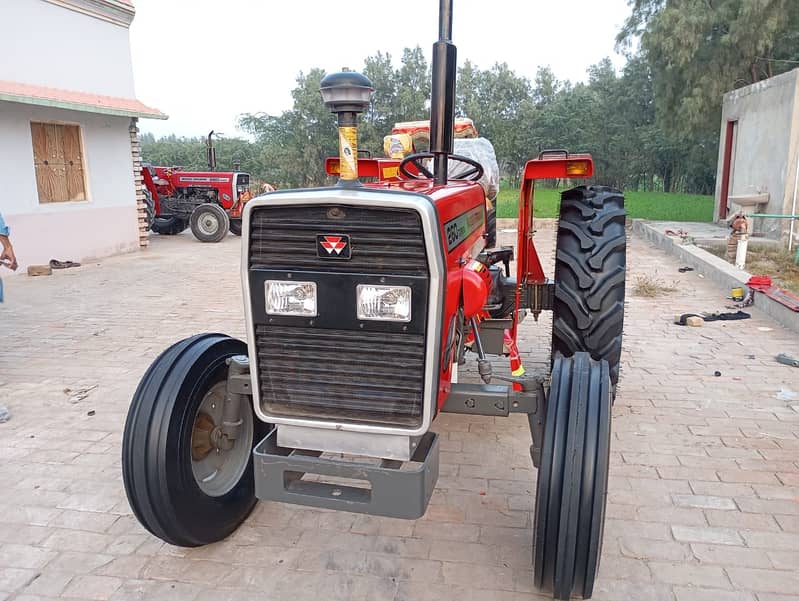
235, 227
209, 223
590, 263
572, 478
183, 484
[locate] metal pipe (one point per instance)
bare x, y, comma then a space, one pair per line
232, 408
445, 20
483, 364
773, 216
740, 251
477, 342
442, 101
793, 209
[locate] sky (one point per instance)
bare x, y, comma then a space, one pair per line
205, 62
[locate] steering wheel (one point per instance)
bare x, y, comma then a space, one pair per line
473, 173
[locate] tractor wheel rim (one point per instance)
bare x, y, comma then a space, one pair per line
209, 224
217, 471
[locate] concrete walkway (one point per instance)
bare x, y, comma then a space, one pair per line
704, 490
699, 231
690, 252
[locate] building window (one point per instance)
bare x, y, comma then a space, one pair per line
58, 158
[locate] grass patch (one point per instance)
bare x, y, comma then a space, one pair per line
651, 287
776, 263
547, 201
715, 249
658, 206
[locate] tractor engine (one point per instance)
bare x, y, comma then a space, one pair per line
186, 200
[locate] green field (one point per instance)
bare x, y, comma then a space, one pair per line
660, 206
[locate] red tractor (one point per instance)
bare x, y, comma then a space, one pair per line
361, 302
210, 202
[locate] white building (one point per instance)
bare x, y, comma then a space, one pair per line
758, 167
69, 156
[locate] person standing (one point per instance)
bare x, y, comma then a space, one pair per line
7, 257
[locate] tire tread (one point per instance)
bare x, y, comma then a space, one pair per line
147, 446
572, 480
590, 275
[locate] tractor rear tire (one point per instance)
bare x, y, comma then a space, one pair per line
235, 227
182, 498
168, 226
149, 208
590, 264
209, 223
491, 227
572, 482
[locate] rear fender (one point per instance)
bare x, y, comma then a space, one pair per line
147, 180
550, 164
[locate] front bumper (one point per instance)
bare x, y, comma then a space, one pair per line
384, 487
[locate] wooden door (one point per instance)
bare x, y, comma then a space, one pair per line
73, 163
58, 159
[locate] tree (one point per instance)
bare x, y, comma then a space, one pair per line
171, 150
546, 87
700, 50
495, 100
696, 52
413, 86
377, 120
466, 90
400, 95
654, 125
295, 144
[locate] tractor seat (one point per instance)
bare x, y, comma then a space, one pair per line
482, 151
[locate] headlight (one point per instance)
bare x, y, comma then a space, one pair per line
290, 298
386, 303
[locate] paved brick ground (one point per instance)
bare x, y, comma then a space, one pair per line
704, 492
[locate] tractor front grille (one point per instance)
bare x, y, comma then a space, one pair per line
387, 241
341, 375
334, 367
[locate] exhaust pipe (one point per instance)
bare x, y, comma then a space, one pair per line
442, 103
210, 151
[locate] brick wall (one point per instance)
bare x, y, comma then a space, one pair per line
135, 151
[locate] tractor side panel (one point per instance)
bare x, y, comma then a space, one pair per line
461, 211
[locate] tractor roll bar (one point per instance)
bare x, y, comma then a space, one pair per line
442, 103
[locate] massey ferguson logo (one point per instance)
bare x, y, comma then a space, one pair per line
333, 246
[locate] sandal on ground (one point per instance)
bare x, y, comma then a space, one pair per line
56, 264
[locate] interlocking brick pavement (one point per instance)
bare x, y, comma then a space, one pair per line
704, 486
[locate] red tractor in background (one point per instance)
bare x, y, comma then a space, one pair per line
210, 202
361, 301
